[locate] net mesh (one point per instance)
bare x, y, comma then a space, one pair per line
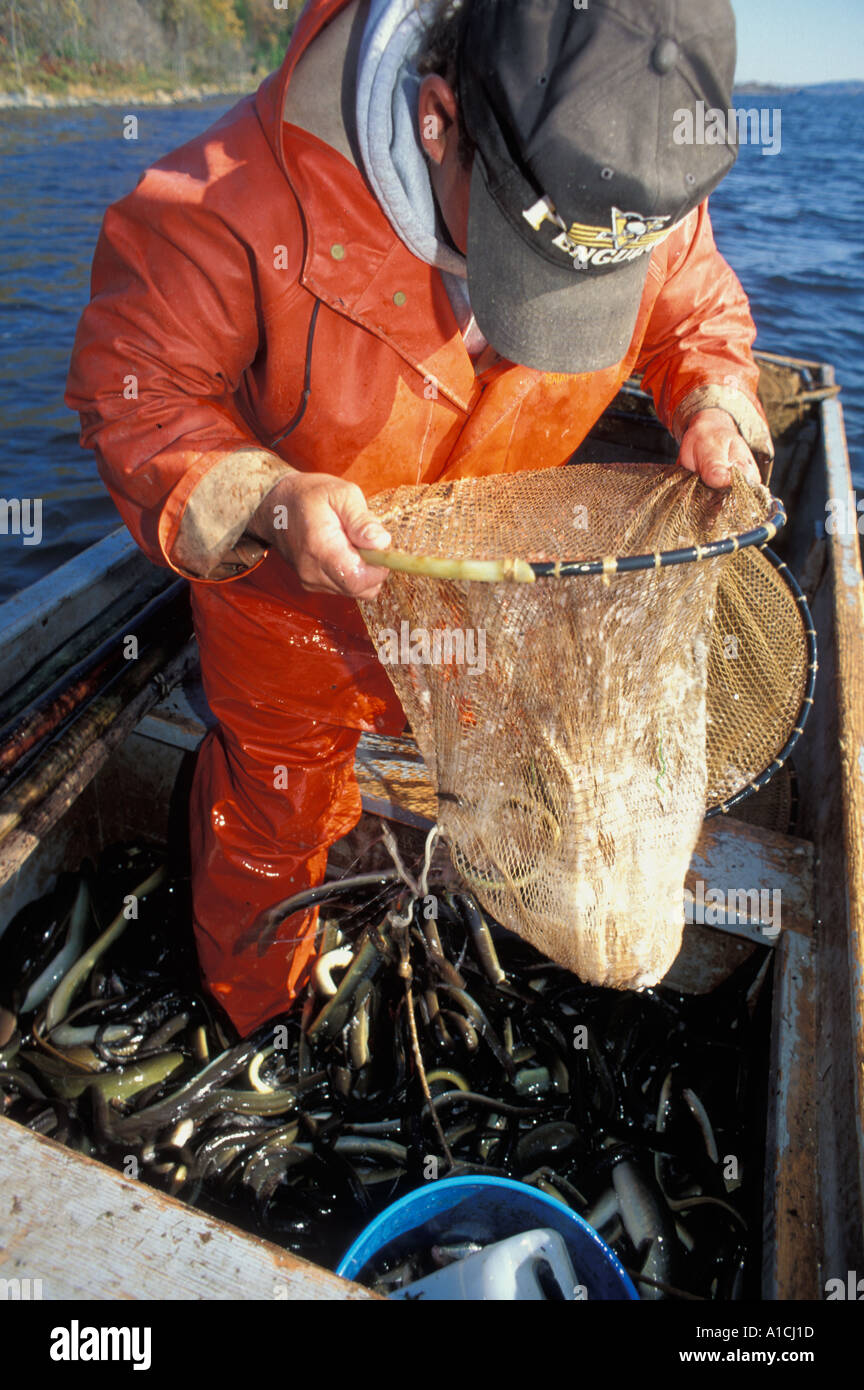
576, 729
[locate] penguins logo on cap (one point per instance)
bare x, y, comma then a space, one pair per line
629, 234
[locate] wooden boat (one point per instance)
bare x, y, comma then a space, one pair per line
88, 1231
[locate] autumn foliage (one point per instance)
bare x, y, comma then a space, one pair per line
187, 40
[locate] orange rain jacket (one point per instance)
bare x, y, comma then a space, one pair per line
251, 303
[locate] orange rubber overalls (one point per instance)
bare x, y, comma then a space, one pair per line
257, 296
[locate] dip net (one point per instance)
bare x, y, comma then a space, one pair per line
576, 729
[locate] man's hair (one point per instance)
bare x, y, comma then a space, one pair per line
440, 52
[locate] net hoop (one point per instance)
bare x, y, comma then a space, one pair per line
528, 571
724, 807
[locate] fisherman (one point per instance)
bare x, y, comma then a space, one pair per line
432, 245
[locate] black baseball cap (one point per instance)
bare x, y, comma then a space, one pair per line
577, 173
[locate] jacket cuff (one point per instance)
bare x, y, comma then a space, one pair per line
750, 421
209, 540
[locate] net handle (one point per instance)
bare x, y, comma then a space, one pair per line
527, 571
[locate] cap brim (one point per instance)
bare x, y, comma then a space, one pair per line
531, 312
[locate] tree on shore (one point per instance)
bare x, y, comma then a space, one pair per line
191, 40
267, 29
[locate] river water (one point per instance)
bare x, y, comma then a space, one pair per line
790, 223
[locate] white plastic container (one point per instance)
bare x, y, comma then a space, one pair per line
532, 1266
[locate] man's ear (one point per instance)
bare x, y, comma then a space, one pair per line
436, 116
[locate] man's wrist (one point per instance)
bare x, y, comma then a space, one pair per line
749, 421
715, 416
262, 523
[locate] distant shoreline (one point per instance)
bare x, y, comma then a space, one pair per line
80, 95
826, 89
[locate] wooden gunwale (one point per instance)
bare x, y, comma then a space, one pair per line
848, 592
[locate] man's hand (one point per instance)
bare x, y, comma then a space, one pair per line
315, 521
712, 447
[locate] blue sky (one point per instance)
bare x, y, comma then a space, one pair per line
800, 41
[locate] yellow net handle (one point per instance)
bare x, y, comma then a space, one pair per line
439, 567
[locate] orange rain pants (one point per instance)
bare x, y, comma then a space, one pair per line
274, 788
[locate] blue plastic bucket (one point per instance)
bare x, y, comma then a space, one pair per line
486, 1209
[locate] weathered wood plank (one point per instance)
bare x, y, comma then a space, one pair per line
393, 780
831, 769
848, 590
27, 838
735, 857
791, 1208
707, 957
182, 718
87, 1232
42, 616
839, 1242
